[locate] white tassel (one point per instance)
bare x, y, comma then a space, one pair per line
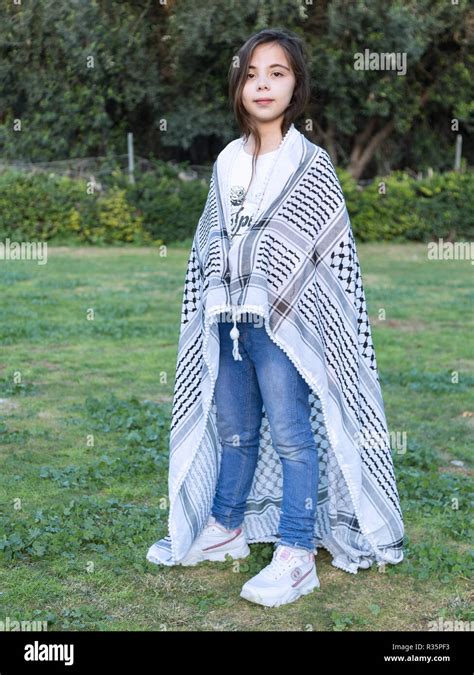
234, 334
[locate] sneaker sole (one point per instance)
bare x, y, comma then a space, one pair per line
252, 595
153, 559
216, 556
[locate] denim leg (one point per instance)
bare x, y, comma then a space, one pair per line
239, 416
285, 397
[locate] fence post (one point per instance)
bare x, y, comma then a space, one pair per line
131, 177
457, 158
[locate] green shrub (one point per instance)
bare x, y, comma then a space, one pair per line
170, 207
446, 204
383, 212
116, 221
38, 206
436, 207
161, 208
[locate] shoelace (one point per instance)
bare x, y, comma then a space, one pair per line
278, 567
214, 527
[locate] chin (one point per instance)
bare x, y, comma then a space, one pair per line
267, 113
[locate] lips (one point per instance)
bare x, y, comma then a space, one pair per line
264, 100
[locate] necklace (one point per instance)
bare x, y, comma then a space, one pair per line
269, 172
234, 333
262, 191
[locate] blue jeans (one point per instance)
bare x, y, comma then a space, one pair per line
265, 375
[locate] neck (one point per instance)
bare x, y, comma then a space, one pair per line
271, 136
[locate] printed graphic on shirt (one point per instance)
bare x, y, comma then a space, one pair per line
243, 207
242, 211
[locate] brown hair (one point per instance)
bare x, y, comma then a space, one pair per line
297, 58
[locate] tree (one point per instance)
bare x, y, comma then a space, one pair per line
365, 114
160, 70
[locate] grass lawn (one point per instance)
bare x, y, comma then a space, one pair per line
88, 352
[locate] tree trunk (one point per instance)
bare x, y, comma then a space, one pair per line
364, 149
328, 138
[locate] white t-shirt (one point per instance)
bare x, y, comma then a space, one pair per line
241, 214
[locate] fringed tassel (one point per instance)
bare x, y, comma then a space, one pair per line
234, 334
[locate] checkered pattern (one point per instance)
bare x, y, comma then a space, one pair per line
298, 267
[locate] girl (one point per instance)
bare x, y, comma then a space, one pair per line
278, 428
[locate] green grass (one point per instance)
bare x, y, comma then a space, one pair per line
84, 414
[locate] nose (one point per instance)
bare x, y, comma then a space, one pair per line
262, 82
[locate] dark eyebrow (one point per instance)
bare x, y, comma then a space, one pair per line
274, 65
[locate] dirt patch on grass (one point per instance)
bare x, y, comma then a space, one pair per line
376, 280
7, 405
407, 326
452, 468
98, 252
48, 365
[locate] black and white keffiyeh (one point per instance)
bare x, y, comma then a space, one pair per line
297, 266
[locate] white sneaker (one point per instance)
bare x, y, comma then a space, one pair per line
291, 574
215, 542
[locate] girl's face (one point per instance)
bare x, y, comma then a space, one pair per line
269, 77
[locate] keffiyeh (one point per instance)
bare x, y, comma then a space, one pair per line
297, 267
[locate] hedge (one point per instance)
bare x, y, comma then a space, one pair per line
399, 207
161, 208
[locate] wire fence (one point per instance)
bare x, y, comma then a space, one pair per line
102, 168
98, 168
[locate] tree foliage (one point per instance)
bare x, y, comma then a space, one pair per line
78, 75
